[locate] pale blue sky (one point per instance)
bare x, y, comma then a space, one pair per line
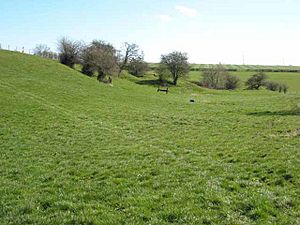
210, 31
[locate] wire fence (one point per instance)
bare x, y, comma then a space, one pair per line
30, 51
17, 49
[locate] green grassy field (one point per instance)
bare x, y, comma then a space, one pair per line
242, 67
75, 151
292, 80
249, 67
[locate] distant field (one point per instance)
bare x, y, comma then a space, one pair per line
251, 67
290, 79
74, 151
243, 67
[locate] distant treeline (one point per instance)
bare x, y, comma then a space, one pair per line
238, 68
252, 70
102, 60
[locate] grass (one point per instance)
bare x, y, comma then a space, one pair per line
242, 67
74, 151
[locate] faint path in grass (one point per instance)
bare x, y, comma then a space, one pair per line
78, 117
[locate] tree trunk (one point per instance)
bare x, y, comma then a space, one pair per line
120, 70
124, 63
101, 75
175, 80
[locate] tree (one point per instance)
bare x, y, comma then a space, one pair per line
100, 57
128, 53
68, 51
177, 64
256, 81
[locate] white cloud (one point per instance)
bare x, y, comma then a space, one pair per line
165, 18
186, 10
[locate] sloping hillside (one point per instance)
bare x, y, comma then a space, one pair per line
75, 151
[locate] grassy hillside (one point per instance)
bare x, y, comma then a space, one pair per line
74, 151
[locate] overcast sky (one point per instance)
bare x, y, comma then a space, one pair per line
210, 31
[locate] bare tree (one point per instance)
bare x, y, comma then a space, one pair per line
44, 51
177, 64
41, 50
69, 51
128, 52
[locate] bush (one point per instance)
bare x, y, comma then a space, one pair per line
137, 67
163, 73
88, 70
283, 88
231, 82
273, 86
99, 58
68, 52
218, 78
256, 81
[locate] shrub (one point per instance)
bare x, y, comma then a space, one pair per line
256, 81
283, 88
231, 82
101, 58
272, 86
163, 73
68, 52
137, 67
218, 78
88, 70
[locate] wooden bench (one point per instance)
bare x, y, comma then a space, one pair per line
163, 89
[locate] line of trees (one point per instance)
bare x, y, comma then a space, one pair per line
260, 80
102, 59
105, 61
219, 78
